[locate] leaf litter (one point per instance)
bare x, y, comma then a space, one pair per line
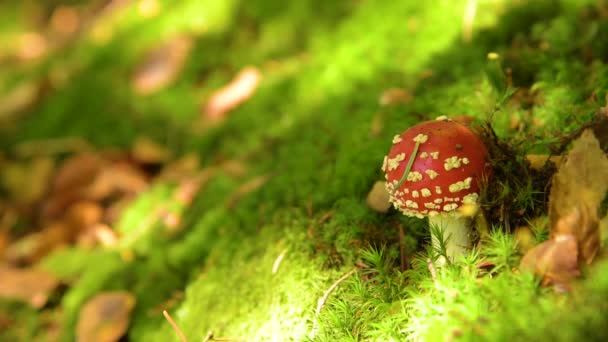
577, 190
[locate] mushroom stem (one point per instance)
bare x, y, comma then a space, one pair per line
456, 231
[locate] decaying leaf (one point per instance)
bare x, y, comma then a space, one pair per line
248, 187
184, 167
29, 285
233, 94
378, 197
26, 182
395, 96
147, 151
554, 260
162, 65
576, 194
537, 161
105, 317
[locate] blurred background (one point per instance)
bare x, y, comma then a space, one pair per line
213, 158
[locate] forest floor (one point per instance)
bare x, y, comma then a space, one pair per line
213, 159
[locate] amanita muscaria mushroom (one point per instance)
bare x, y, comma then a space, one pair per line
432, 170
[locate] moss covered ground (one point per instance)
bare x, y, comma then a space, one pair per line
316, 129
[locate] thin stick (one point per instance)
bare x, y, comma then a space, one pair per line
277, 261
208, 337
322, 300
175, 327
431, 267
402, 255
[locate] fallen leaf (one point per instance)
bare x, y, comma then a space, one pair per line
65, 20
29, 285
395, 96
525, 238
26, 182
184, 167
233, 94
577, 190
555, 261
538, 161
147, 151
18, 99
162, 65
248, 187
50, 147
105, 317
77, 171
378, 197
32, 45
84, 214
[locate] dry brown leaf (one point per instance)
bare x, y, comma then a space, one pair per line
65, 20
18, 99
50, 147
147, 151
84, 214
26, 182
538, 161
554, 260
233, 94
105, 317
77, 171
184, 167
32, 45
246, 188
29, 285
117, 178
395, 96
162, 65
378, 197
576, 194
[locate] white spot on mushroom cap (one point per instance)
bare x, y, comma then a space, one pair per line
414, 176
431, 205
397, 139
431, 173
470, 198
423, 155
442, 118
411, 204
384, 163
452, 163
461, 185
421, 138
425, 192
415, 194
450, 207
393, 163
438, 190
434, 155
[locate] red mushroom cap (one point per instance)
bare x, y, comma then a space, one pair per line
446, 171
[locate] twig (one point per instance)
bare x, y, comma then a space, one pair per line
208, 337
175, 327
322, 300
277, 262
431, 267
403, 257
